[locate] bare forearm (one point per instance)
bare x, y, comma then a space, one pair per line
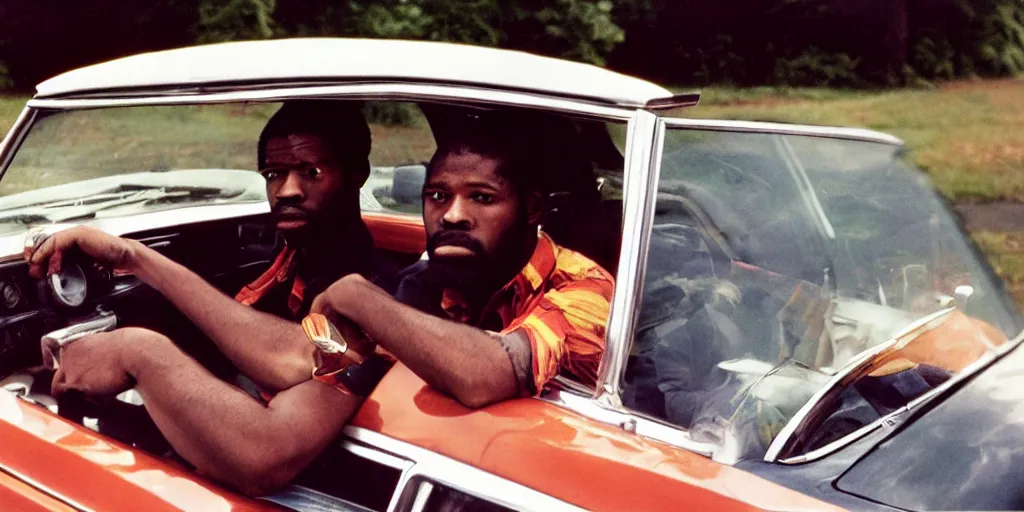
271, 351
226, 434
462, 360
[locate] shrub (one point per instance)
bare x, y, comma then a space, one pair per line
814, 67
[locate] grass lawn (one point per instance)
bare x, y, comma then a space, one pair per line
967, 135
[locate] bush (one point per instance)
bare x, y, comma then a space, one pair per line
934, 59
817, 68
390, 113
5, 77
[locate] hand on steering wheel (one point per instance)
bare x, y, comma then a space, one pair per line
45, 254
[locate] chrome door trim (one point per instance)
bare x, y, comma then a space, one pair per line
383, 458
14, 138
831, 132
431, 466
643, 155
628, 420
44, 489
362, 91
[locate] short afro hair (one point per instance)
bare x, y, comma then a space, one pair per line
505, 137
340, 124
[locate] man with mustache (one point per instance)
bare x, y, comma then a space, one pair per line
512, 309
314, 156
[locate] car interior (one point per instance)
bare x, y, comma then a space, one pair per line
584, 214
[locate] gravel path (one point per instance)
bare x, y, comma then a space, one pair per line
997, 216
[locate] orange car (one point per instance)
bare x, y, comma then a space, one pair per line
798, 321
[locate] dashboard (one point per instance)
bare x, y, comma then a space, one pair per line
29, 307
226, 253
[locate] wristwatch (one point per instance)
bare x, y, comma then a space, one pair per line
351, 366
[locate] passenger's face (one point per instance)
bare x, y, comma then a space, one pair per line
471, 213
304, 181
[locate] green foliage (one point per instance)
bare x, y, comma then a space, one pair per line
391, 113
435, 20
817, 68
231, 20
1002, 50
739, 42
934, 59
575, 29
5, 77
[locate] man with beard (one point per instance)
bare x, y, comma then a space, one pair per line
512, 309
314, 158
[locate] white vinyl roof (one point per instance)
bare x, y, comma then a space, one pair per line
331, 60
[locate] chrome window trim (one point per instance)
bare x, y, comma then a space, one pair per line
643, 154
304, 499
14, 137
361, 91
422, 495
901, 339
831, 132
428, 465
968, 372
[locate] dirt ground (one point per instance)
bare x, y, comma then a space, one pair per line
996, 216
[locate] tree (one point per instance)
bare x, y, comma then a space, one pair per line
582, 30
231, 20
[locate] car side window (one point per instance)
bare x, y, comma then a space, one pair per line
723, 198
774, 261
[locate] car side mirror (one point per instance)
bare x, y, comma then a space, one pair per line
407, 183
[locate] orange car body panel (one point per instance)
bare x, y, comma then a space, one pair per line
17, 496
94, 472
562, 454
398, 233
953, 345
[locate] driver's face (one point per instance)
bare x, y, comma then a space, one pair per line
468, 209
303, 179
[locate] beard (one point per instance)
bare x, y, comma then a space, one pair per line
458, 272
483, 271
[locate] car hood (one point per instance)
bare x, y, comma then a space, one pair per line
965, 454
245, 185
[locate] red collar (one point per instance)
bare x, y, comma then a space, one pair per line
280, 271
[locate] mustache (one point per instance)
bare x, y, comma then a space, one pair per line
455, 238
289, 211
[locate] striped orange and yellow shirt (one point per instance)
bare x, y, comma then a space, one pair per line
560, 299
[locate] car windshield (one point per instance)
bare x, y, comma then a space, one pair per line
79, 165
782, 266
